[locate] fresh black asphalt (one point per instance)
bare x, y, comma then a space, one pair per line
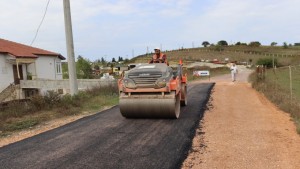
107, 140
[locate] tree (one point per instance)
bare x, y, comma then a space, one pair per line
250, 61
126, 61
103, 61
96, 67
222, 43
113, 60
273, 43
120, 59
241, 44
205, 43
83, 68
238, 43
65, 71
296, 44
255, 44
268, 62
285, 45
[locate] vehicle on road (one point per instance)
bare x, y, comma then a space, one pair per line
153, 91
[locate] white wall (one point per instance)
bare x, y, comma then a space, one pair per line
6, 73
45, 68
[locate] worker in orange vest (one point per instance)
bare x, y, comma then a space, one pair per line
158, 57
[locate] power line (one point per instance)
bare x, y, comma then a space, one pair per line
37, 31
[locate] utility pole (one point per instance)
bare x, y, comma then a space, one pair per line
132, 53
70, 49
147, 50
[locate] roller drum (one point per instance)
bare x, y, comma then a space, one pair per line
150, 106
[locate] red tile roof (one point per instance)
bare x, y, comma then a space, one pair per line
23, 51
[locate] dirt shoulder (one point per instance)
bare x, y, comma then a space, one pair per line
242, 129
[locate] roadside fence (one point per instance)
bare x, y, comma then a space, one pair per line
281, 85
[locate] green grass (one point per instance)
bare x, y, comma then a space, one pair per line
21, 124
20, 115
276, 87
100, 102
297, 121
281, 78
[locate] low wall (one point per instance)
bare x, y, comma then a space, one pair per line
64, 84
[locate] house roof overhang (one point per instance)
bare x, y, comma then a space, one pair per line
23, 51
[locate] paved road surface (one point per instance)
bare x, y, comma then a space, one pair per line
107, 140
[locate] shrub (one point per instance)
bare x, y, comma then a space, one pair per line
266, 62
254, 44
223, 43
21, 124
38, 102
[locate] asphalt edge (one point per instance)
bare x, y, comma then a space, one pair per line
187, 149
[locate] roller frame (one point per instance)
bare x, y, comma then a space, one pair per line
154, 103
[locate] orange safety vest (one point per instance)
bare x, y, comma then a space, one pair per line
161, 57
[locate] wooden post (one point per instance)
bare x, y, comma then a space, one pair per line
291, 85
18, 69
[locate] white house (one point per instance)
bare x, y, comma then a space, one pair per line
22, 62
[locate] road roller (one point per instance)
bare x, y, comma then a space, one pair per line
153, 91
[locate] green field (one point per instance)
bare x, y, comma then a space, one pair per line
289, 56
276, 87
281, 77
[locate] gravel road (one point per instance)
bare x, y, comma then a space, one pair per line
107, 140
243, 129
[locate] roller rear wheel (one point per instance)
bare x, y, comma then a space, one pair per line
150, 106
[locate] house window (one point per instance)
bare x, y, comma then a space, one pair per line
58, 67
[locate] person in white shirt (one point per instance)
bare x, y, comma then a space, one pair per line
234, 71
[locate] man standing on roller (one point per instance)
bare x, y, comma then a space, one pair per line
158, 57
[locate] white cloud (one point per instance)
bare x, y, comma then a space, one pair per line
247, 20
115, 27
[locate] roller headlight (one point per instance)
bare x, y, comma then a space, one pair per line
128, 83
161, 82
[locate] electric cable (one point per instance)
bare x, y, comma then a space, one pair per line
37, 31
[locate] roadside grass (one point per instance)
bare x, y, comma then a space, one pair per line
297, 120
23, 115
276, 88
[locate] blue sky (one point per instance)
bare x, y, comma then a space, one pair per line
112, 28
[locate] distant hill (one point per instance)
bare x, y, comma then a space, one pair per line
288, 56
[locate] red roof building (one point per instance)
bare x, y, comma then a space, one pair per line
19, 50
23, 62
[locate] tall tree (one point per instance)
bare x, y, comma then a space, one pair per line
285, 45
273, 43
205, 43
83, 68
113, 60
222, 43
103, 61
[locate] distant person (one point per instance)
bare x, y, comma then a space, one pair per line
158, 57
234, 71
